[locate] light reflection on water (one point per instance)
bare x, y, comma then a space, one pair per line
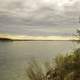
14, 56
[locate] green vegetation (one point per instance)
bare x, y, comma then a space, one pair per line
64, 67
78, 34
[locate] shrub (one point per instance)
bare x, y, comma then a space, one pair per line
66, 67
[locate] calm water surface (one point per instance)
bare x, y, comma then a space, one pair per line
14, 56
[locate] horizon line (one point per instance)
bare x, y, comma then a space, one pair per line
36, 38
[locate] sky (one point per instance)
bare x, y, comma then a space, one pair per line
39, 17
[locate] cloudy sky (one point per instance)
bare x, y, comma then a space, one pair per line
39, 17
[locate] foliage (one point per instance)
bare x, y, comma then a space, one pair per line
66, 68
78, 32
77, 35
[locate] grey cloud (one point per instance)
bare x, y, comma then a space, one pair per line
37, 16
40, 8
24, 6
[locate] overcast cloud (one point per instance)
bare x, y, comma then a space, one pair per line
39, 17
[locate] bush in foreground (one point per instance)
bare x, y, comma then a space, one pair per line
66, 68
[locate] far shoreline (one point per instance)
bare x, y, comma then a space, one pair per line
7, 37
